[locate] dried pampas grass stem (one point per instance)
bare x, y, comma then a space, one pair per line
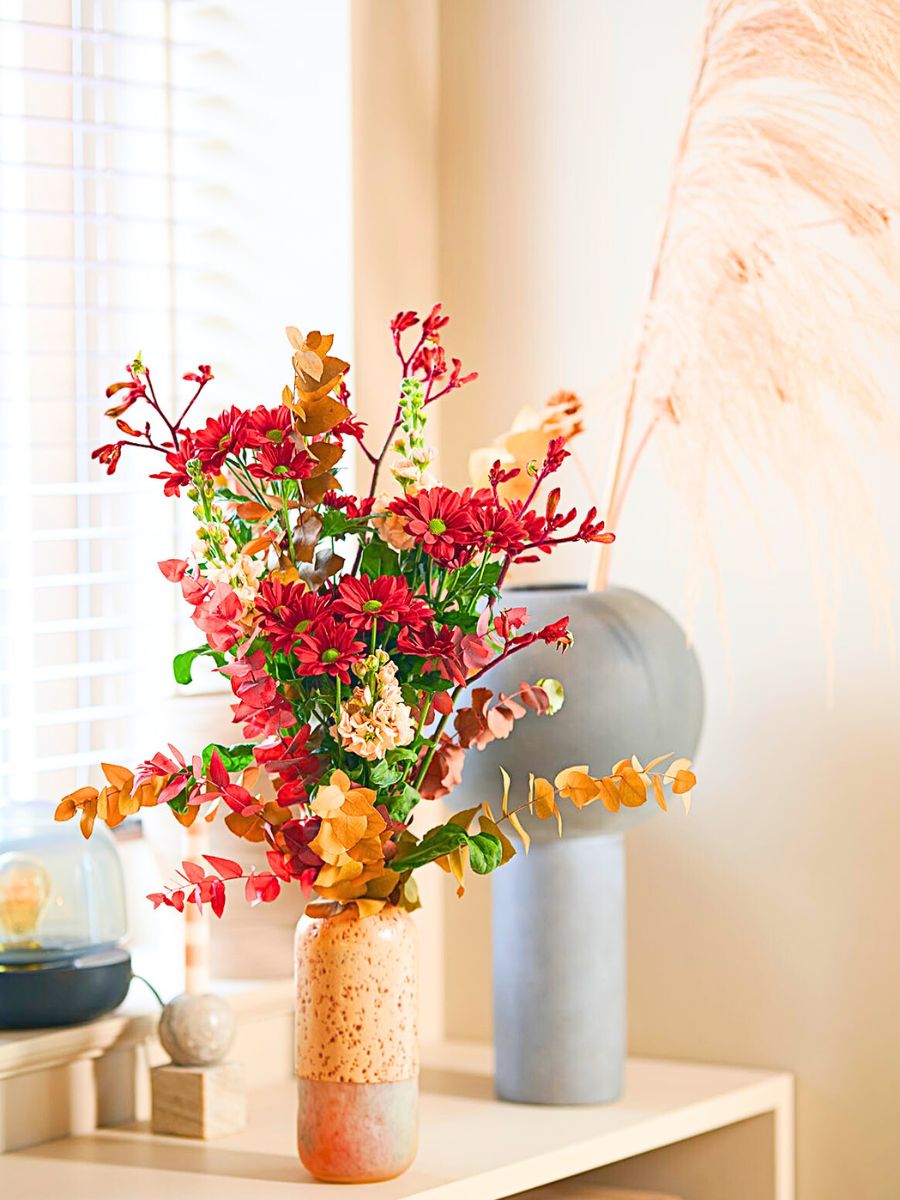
773, 306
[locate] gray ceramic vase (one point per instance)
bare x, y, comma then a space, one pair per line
632, 685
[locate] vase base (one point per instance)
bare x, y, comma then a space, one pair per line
357, 1132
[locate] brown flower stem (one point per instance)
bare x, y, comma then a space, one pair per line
154, 403
190, 403
599, 579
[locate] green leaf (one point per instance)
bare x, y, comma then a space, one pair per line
555, 694
435, 844
383, 774
485, 853
179, 803
401, 805
182, 663
234, 758
379, 559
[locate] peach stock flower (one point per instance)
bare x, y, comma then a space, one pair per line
375, 719
391, 528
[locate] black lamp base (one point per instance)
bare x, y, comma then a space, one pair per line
40, 995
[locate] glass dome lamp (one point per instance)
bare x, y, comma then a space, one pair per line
62, 921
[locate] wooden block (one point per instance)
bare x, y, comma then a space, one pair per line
198, 1102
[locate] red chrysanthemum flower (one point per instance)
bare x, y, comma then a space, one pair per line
287, 611
364, 601
282, 461
328, 648
497, 530
220, 436
268, 426
177, 476
441, 521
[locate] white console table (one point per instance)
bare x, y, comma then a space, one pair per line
661, 1134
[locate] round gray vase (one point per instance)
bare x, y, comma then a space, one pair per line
633, 686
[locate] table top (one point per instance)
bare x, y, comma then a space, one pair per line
472, 1146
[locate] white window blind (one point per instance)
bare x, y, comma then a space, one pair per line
174, 179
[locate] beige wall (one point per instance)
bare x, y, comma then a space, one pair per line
762, 930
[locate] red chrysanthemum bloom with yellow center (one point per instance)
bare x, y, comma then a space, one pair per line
220, 437
387, 599
268, 426
287, 611
441, 521
328, 648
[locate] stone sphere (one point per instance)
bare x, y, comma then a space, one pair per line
196, 1031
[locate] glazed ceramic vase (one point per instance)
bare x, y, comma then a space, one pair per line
356, 1044
633, 686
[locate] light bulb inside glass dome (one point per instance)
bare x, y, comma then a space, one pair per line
25, 887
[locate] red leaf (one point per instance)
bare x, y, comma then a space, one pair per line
196, 897
267, 887
177, 900
193, 871
227, 867
158, 898
276, 862
217, 772
534, 697
173, 568
442, 702
217, 899
250, 893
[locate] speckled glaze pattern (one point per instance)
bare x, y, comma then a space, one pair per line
356, 997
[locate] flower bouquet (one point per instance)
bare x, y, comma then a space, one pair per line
355, 631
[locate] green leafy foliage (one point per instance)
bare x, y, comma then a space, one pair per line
379, 559
234, 758
485, 853
182, 664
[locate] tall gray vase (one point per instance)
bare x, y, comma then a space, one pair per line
632, 685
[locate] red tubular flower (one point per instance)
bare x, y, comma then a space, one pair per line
349, 427
134, 390
442, 521
202, 375
328, 648
282, 461
434, 322
364, 601
177, 476
110, 454
351, 505
268, 426
220, 436
287, 611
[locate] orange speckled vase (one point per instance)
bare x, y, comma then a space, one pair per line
357, 1046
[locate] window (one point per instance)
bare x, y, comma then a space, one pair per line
174, 179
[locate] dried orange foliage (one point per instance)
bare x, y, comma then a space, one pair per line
628, 785
113, 803
526, 442
351, 842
